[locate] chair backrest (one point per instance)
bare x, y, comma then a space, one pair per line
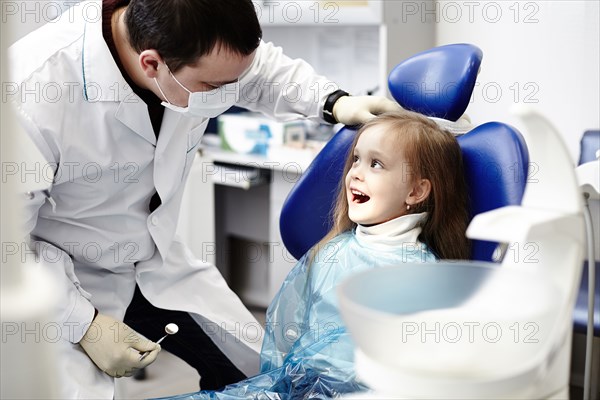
496, 162
438, 83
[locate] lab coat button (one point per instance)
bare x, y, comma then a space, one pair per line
29, 195
154, 220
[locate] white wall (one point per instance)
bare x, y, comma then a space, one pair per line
332, 49
26, 16
543, 52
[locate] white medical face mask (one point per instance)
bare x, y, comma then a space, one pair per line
205, 104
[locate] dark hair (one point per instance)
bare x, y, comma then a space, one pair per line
182, 31
433, 154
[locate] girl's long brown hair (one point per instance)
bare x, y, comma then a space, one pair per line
433, 154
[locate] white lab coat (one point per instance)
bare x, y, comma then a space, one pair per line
100, 239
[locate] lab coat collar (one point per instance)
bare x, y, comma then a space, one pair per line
103, 81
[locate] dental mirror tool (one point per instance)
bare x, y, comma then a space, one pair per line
170, 329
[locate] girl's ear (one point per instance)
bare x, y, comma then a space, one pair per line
150, 61
420, 192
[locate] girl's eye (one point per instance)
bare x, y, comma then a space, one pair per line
376, 164
355, 158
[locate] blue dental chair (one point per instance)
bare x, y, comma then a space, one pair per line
590, 144
495, 154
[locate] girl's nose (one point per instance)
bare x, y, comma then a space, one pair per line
356, 173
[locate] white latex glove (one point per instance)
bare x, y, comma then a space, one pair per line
116, 348
354, 110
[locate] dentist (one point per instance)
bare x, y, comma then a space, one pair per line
116, 95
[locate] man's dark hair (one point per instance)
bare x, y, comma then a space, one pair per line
184, 30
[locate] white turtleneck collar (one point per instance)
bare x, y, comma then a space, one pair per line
394, 233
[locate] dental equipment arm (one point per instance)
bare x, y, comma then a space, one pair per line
551, 220
588, 177
589, 338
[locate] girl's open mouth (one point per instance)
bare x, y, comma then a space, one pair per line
359, 197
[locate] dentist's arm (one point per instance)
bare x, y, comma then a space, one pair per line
287, 89
73, 311
111, 345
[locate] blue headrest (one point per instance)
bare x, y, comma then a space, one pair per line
437, 82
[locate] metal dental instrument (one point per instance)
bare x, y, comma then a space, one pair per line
170, 329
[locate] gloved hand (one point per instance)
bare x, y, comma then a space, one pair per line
116, 348
354, 110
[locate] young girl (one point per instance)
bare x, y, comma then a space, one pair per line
403, 200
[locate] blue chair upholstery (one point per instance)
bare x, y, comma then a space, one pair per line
495, 154
305, 215
496, 159
580, 314
589, 145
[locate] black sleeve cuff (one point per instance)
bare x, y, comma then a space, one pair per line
329, 103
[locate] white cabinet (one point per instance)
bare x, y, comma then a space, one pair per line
230, 217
